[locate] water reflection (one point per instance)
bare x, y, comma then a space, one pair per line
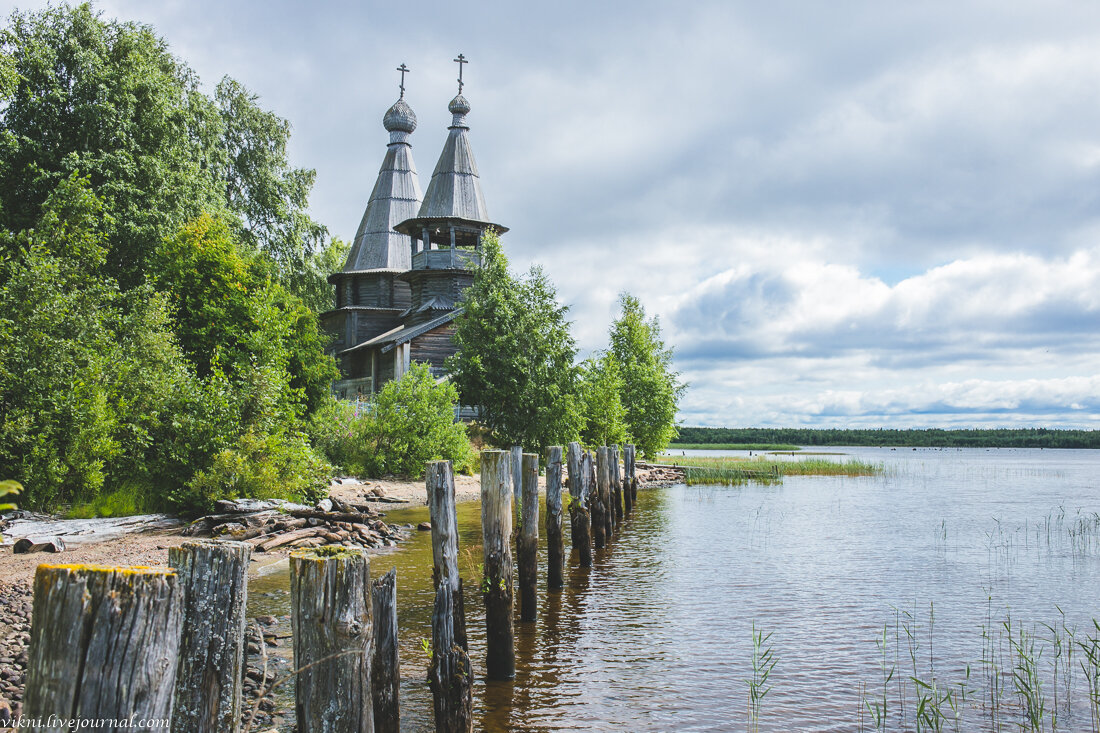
658, 634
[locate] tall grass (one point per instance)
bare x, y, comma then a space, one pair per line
732, 470
735, 446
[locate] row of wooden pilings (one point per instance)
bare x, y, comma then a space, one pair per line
155, 644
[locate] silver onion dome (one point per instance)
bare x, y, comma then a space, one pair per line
399, 118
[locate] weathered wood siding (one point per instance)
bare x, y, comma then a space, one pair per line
434, 347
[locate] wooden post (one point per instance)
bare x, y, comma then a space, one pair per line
603, 488
496, 529
450, 676
449, 673
555, 547
517, 486
440, 483
104, 643
330, 614
580, 522
385, 669
596, 503
527, 542
632, 474
213, 576
628, 474
616, 485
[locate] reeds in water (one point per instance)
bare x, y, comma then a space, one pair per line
733, 470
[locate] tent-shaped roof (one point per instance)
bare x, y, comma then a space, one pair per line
395, 198
455, 188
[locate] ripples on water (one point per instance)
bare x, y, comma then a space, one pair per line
658, 635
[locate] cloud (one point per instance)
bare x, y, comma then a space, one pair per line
842, 213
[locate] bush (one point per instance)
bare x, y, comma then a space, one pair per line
275, 466
409, 422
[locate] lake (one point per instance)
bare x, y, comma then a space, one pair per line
935, 566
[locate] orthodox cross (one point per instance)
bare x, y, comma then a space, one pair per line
460, 61
402, 68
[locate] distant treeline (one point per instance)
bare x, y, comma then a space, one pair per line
1023, 438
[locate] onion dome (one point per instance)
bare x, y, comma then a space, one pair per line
399, 118
459, 107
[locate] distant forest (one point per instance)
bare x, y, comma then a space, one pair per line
1024, 438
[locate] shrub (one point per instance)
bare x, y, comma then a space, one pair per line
409, 422
274, 466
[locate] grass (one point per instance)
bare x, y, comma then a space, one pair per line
735, 446
127, 501
730, 470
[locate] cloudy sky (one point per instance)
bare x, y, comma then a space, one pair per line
856, 213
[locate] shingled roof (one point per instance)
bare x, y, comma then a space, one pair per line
395, 198
455, 188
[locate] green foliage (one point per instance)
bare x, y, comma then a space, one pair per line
409, 422
599, 389
96, 392
515, 355
108, 99
126, 501
259, 466
651, 390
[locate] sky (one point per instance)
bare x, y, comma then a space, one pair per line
844, 214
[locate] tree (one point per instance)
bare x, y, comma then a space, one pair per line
651, 390
108, 99
515, 355
604, 415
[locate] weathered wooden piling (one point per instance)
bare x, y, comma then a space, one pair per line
385, 669
516, 458
632, 475
213, 576
450, 675
440, 484
603, 488
555, 546
596, 503
330, 613
580, 521
628, 474
527, 543
616, 485
496, 529
104, 643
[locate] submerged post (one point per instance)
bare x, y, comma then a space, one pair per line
385, 668
527, 542
603, 488
628, 474
555, 547
517, 486
440, 483
580, 522
330, 614
616, 485
496, 529
450, 671
213, 576
595, 503
104, 643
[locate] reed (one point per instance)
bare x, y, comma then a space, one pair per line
763, 661
733, 470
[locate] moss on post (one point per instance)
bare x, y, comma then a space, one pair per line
104, 642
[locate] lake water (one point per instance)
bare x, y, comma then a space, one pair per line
916, 570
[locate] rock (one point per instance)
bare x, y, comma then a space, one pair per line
424, 527
266, 620
324, 505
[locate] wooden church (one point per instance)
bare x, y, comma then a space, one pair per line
412, 256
